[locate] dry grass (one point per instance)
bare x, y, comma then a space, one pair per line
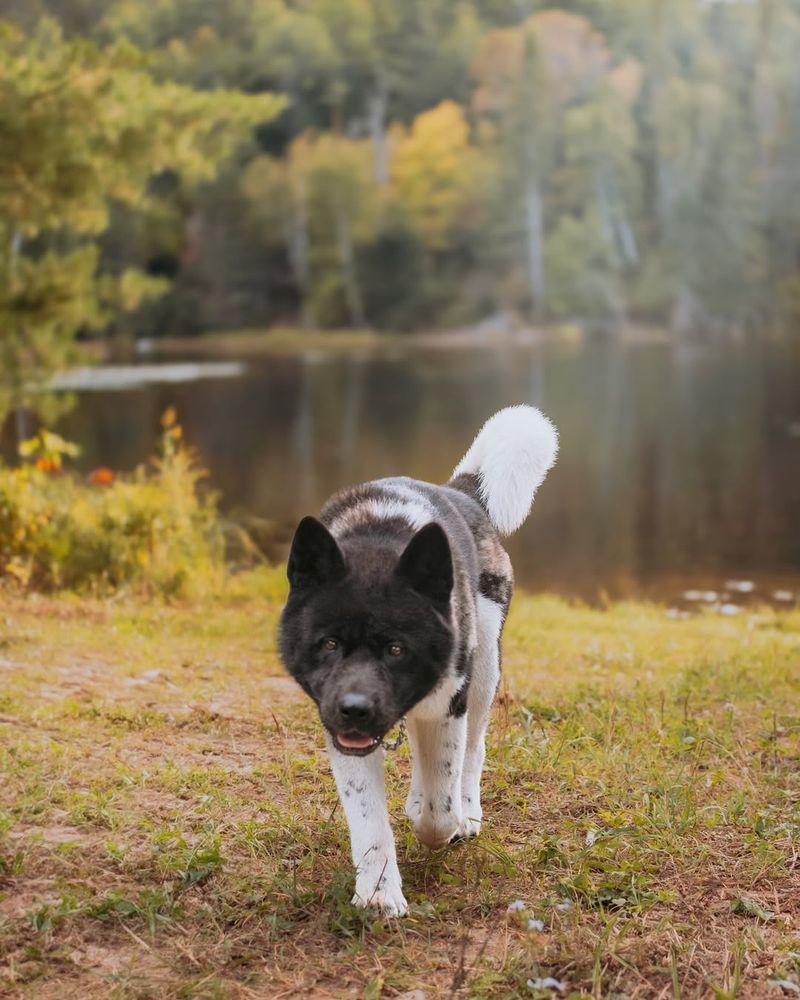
169, 827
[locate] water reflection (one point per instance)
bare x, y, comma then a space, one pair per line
678, 464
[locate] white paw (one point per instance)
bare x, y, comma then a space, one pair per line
436, 829
472, 813
470, 827
388, 898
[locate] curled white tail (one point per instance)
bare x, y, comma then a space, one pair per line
511, 455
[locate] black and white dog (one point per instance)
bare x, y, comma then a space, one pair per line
398, 595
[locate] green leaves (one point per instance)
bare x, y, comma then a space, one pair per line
80, 128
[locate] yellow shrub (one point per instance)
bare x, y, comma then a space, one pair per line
154, 530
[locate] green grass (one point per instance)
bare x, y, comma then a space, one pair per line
169, 827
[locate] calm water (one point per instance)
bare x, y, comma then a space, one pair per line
679, 465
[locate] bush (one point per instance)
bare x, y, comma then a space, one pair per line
155, 529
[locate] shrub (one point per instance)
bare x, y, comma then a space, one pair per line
155, 529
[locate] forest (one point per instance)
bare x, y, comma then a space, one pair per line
179, 166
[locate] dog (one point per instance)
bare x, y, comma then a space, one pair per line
397, 600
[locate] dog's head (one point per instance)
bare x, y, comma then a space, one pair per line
366, 630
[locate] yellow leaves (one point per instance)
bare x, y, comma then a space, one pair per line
153, 528
133, 287
20, 570
48, 450
433, 170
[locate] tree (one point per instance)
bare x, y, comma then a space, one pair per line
497, 135
434, 171
599, 155
525, 77
81, 128
320, 201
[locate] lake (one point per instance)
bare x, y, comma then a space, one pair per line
679, 466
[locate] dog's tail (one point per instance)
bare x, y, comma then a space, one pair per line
507, 463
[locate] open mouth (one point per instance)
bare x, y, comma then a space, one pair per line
355, 743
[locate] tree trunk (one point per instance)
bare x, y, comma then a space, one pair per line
300, 259
603, 201
617, 230
378, 102
352, 292
534, 232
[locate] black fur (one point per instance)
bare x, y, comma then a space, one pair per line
363, 580
496, 588
370, 597
458, 703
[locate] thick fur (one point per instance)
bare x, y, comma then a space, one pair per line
398, 596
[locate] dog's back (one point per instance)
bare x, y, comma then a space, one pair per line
490, 493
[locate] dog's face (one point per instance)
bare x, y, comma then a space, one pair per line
366, 633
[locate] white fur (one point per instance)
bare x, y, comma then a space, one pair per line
511, 455
363, 796
485, 676
434, 706
414, 513
398, 501
434, 799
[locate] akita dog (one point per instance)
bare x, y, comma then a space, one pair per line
398, 596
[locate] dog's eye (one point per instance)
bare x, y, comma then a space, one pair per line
395, 649
330, 644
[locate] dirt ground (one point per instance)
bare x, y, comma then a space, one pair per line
169, 827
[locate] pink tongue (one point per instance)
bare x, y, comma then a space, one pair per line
354, 742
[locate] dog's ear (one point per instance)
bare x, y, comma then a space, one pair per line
427, 565
315, 558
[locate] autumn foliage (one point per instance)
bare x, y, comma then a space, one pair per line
155, 530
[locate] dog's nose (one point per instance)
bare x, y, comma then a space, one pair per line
356, 709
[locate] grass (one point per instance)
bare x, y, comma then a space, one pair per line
169, 828
290, 341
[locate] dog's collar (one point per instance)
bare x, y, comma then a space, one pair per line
398, 740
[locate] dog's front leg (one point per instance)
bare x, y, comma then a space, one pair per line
363, 794
434, 803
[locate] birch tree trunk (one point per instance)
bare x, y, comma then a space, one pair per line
299, 249
534, 232
377, 108
347, 260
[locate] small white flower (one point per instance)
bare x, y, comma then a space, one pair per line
782, 595
740, 586
787, 985
729, 609
535, 925
517, 905
564, 905
548, 983
591, 837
